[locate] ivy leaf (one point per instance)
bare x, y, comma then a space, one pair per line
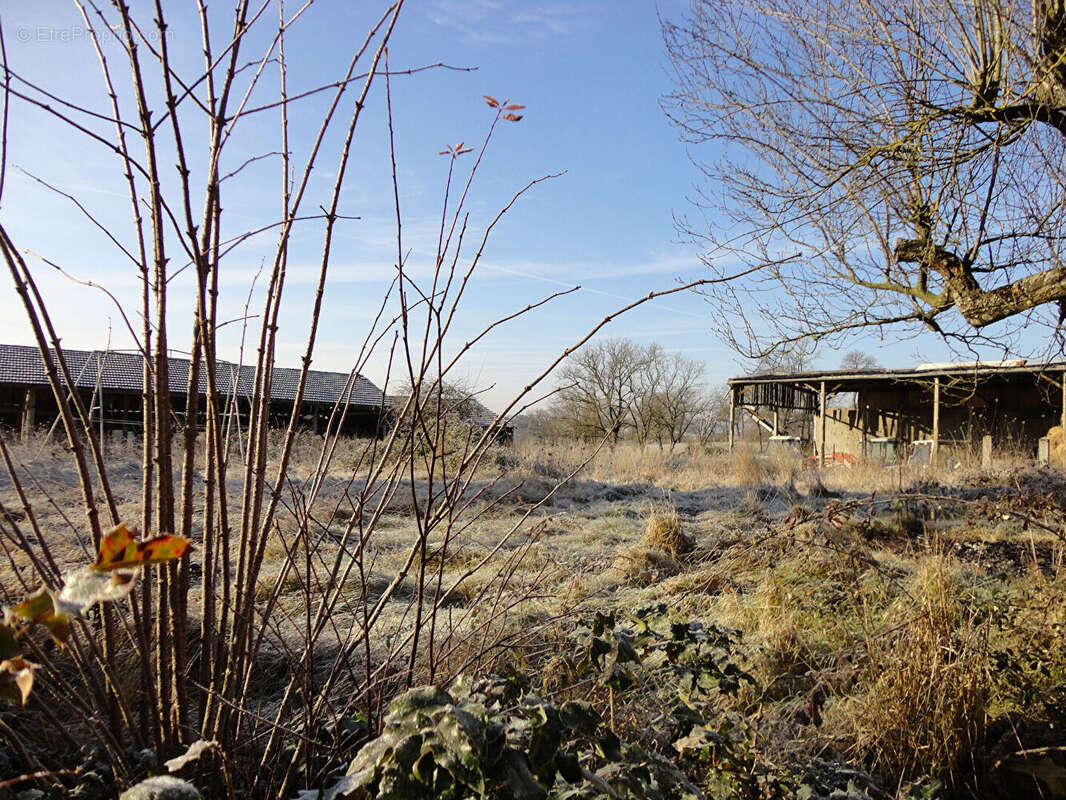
519, 778
121, 550
462, 732
427, 699
609, 746
568, 766
580, 716
698, 740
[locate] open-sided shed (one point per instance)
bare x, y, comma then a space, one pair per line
110, 384
870, 412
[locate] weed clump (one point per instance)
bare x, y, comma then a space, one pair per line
664, 533
925, 708
642, 566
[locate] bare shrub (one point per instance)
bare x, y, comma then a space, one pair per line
328, 574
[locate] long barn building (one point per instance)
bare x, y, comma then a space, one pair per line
110, 384
884, 413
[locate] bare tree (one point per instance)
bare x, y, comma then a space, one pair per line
619, 386
711, 419
668, 398
857, 361
881, 163
600, 388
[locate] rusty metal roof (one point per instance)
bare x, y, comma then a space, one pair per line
115, 371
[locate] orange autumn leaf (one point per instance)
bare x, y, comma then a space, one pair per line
512, 117
40, 607
120, 549
513, 107
492, 101
16, 679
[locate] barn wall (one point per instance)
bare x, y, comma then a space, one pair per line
1015, 413
122, 411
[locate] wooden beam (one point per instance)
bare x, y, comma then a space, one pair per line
762, 422
936, 422
821, 435
1052, 381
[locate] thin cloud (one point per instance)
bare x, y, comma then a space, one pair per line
495, 22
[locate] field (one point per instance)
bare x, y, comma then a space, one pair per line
895, 631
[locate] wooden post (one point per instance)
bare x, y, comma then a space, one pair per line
935, 450
864, 420
733, 412
1062, 422
29, 413
777, 422
821, 436
986, 452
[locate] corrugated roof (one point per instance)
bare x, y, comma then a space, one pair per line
115, 371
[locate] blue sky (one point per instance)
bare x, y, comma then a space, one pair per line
590, 74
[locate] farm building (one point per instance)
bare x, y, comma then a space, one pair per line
110, 383
888, 413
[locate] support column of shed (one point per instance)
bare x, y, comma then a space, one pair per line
732, 415
935, 450
821, 434
29, 413
1062, 419
863, 412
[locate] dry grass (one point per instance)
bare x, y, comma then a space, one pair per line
751, 464
923, 706
664, 533
899, 638
642, 566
